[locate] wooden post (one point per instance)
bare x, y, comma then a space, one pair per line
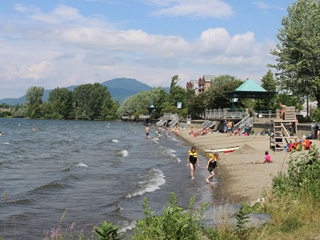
5, 197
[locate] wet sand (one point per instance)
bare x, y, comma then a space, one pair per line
240, 180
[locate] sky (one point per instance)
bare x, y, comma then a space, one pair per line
59, 43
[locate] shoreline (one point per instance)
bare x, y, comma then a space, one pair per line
240, 181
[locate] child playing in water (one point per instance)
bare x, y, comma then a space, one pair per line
159, 132
211, 165
192, 160
266, 159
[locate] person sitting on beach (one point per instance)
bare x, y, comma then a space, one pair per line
266, 159
191, 130
211, 165
192, 160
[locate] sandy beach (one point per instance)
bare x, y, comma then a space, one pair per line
240, 180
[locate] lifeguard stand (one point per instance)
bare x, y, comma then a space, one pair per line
284, 129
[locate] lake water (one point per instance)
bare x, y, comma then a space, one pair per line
97, 170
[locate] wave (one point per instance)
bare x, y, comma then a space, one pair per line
127, 226
114, 140
152, 182
156, 140
54, 185
123, 153
81, 165
5, 143
171, 152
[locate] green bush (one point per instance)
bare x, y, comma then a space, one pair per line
108, 232
174, 224
315, 114
303, 175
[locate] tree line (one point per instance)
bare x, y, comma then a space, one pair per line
85, 102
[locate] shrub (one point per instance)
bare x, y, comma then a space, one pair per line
174, 224
315, 114
303, 174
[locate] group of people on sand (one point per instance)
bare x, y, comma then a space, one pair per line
176, 131
193, 160
212, 163
200, 132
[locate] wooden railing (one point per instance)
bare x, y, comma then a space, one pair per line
226, 113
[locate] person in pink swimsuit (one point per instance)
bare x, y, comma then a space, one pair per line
266, 159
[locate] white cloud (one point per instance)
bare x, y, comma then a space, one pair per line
193, 8
267, 6
35, 72
214, 40
66, 52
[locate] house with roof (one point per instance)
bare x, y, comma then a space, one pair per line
202, 85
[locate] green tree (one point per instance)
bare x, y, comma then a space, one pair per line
269, 84
174, 81
134, 104
298, 52
34, 98
46, 110
62, 102
215, 97
92, 101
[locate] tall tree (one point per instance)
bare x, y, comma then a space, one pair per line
34, 98
269, 84
92, 101
175, 79
298, 53
62, 102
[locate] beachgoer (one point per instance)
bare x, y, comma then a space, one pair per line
0, 133
167, 132
266, 159
191, 130
282, 110
192, 160
159, 131
211, 165
225, 126
33, 128
229, 128
147, 130
176, 131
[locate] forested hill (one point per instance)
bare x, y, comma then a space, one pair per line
119, 88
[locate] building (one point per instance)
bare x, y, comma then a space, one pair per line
202, 85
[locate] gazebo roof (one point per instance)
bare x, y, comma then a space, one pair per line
249, 89
250, 86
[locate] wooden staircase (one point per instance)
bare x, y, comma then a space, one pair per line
281, 130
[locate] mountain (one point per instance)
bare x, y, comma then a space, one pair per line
119, 88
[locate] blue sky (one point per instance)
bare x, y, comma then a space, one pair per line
59, 43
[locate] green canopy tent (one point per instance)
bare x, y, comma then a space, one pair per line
249, 89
